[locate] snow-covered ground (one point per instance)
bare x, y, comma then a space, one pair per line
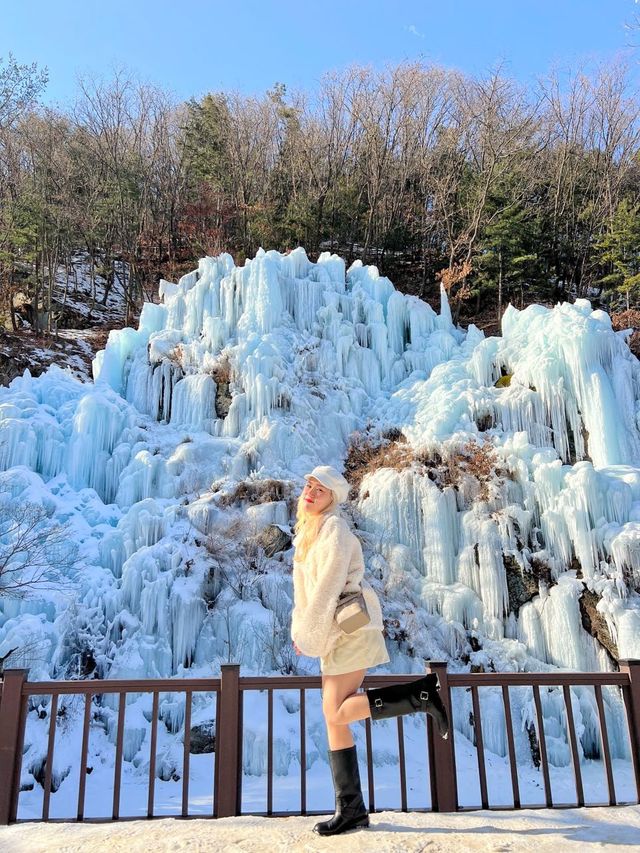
84, 296
390, 832
79, 326
72, 350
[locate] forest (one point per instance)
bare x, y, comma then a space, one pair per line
502, 192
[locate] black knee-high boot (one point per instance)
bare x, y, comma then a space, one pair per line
351, 812
421, 695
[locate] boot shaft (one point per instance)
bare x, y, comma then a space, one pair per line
398, 699
345, 770
351, 812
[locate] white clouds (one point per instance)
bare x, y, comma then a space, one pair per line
414, 31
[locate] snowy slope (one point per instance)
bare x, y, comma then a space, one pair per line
504, 502
82, 308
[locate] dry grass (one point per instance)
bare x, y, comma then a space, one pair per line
367, 454
176, 355
256, 492
504, 381
478, 461
470, 468
471, 463
223, 375
458, 274
629, 320
221, 372
626, 319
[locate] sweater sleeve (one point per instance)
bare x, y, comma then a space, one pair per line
297, 594
335, 555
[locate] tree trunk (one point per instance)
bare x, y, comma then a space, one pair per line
319, 221
36, 295
423, 284
109, 279
367, 236
500, 280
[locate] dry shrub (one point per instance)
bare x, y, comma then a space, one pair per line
470, 461
238, 559
256, 492
221, 372
176, 355
367, 454
478, 461
217, 542
393, 434
504, 381
626, 320
222, 375
629, 320
453, 276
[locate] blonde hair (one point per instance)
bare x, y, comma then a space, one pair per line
307, 525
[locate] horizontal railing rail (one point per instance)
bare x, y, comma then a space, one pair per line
100, 686
229, 691
526, 679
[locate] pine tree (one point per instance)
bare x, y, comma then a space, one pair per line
619, 253
506, 257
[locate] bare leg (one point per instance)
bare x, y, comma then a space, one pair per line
341, 705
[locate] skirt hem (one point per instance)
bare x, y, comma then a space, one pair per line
363, 649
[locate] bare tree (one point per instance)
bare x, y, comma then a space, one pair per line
238, 557
592, 132
252, 151
46, 137
326, 138
34, 552
24, 656
125, 124
413, 159
20, 86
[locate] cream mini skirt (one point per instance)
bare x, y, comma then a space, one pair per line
361, 650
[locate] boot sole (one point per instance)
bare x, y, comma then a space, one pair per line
344, 831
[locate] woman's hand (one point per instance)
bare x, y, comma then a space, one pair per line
296, 649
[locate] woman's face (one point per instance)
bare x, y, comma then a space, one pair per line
316, 496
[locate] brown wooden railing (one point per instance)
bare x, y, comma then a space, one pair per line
229, 690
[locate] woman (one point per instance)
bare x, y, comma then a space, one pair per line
327, 562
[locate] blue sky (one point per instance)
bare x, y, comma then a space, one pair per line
195, 46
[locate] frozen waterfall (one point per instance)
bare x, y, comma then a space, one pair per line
191, 443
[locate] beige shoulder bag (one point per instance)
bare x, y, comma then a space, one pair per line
351, 612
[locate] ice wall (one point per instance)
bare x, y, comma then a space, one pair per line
257, 373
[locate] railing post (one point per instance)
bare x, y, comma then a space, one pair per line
12, 724
229, 741
442, 765
632, 669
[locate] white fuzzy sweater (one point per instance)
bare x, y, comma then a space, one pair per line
334, 564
